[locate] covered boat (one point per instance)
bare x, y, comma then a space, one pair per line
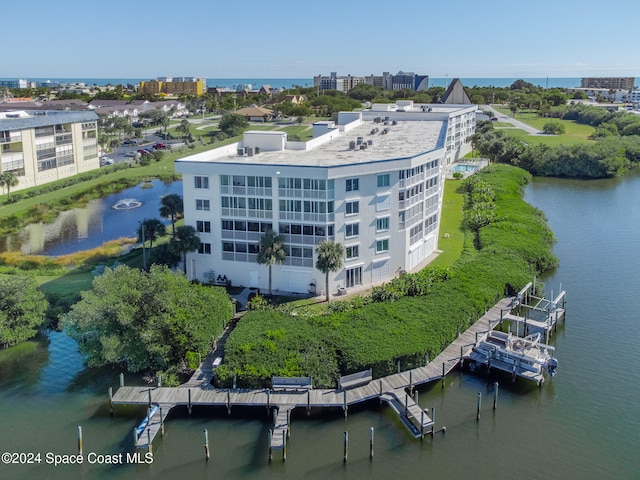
522, 357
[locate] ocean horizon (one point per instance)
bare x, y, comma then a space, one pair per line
285, 83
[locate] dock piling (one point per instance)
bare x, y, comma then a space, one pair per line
399, 366
422, 425
121, 379
270, 440
345, 452
344, 403
443, 373
135, 437
149, 397
149, 447
433, 419
308, 403
234, 381
495, 395
479, 404
371, 443
206, 444
410, 383
284, 447
228, 402
415, 396
189, 406
159, 380
111, 401
288, 423
161, 423
79, 440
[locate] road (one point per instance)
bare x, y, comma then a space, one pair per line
517, 123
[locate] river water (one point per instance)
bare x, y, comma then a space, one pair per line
583, 424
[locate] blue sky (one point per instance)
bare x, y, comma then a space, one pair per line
295, 39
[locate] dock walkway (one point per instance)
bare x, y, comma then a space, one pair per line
198, 391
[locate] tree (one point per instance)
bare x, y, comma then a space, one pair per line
171, 207
8, 180
233, 124
271, 251
330, 255
185, 240
146, 319
22, 309
184, 127
153, 228
553, 128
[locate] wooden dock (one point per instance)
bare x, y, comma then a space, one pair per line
392, 389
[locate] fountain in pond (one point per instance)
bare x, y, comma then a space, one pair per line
127, 204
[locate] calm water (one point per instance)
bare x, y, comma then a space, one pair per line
91, 226
581, 425
550, 82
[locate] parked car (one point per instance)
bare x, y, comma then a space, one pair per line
106, 161
160, 146
131, 141
131, 154
142, 151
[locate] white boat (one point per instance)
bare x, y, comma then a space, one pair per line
523, 357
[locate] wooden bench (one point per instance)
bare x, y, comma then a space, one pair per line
354, 379
291, 383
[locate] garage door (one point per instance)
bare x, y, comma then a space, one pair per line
380, 271
295, 281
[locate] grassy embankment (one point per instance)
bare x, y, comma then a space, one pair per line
360, 333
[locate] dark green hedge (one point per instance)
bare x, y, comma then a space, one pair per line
515, 245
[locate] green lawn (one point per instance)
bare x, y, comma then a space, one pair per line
550, 140
451, 225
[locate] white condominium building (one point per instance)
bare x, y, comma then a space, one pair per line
372, 182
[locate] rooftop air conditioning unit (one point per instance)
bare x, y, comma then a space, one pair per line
240, 152
352, 145
249, 151
256, 150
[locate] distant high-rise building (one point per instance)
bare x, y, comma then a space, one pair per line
613, 83
175, 86
18, 83
403, 80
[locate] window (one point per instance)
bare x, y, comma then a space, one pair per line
203, 205
352, 184
351, 252
354, 276
351, 230
201, 182
382, 245
351, 208
205, 248
383, 180
382, 224
203, 227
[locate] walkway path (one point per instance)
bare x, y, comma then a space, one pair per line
506, 118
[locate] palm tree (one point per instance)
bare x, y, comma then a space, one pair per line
8, 179
171, 206
186, 240
153, 228
330, 255
271, 251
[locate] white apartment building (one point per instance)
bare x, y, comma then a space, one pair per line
372, 182
43, 146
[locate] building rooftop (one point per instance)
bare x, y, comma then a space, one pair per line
404, 140
20, 120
